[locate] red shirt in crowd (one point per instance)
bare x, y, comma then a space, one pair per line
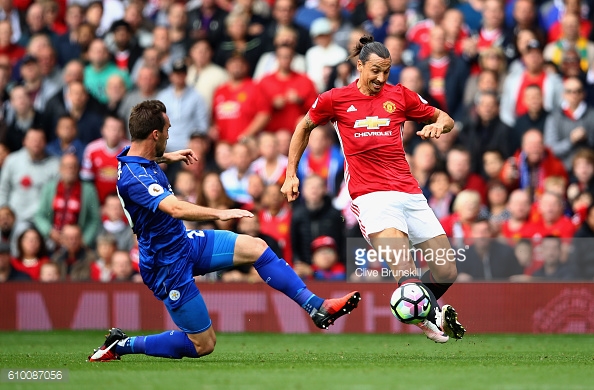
101, 166
287, 117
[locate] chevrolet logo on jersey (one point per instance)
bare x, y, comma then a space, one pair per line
372, 122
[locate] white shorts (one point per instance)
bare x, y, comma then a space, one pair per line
408, 213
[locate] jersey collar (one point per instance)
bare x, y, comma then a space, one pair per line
123, 157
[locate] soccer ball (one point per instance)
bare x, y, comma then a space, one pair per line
410, 303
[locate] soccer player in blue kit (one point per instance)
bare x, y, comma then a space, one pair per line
170, 255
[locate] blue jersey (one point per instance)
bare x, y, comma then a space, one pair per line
141, 186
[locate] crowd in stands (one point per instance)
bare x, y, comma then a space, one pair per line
512, 184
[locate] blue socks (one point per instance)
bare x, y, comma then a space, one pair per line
173, 344
280, 276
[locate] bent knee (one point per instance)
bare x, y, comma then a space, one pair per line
206, 346
446, 273
257, 246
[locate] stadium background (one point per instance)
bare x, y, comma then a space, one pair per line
550, 307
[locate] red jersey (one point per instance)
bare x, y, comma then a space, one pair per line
33, 270
370, 132
438, 69
101, 166
234, 108
527, 80
278, 227
527, 230
287, 117
563, 228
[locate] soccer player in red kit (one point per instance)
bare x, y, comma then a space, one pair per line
368, 116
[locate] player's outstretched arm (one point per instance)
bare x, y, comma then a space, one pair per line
180, 209
185, 155
439, 124
298, 144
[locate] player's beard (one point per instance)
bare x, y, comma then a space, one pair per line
160, 150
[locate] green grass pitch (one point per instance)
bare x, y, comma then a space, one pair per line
318, 361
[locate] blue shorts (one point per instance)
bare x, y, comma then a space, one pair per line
212, 250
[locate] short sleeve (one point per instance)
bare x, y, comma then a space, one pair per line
416, 108
321, 110
145, 191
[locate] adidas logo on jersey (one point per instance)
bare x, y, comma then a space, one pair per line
351, 108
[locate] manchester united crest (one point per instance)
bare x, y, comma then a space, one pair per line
389, 106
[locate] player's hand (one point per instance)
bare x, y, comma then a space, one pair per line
225, 215
185, 155
432, 130
291, 188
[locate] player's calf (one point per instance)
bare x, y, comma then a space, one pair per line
204, 342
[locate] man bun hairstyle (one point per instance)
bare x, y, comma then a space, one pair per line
146, 117
368, 46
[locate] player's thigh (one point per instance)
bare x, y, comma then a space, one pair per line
248, 249
213, 250
422, 223
192, 316
378, 212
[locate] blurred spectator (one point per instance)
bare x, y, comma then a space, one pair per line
185, 107
50, 70
487, 258
11, 13
423, 163
399, 54
152, 57
20, 117
484, 131
121, 268
160, 53
291, 94
185, 186
268, 62
523, 252
570, 38
68, 201
570, 66
283, 13
324, 54
342, 26
178, 31
99, 164
556, 16
518, 225
497, 195
101, 267
31, 253
66, 141
204, 75
238, 40
256, 11
534, 118
446, 74
493, 66
34, 24
419, 33
553, 268
256, 187
582, 250
115, 90
7, 272
314, 217
440, 198
13, 51
86, 34
67, 44
551, 85
114, 222
582, 172
141, 27
239, 110
571, 126
24, 174
377, 19
491, 33
275, 219
49, 273
323, 158
223, 159
235, 179
346, 72
146, 89
458, 165
8, 234
531, 165
73, 258
466, 210
33, 81
271, 166
472, 12
524, 15
492, 164
100, 69
124, 48
212, 194
325, 264
207, 21
456, 31
80, 107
